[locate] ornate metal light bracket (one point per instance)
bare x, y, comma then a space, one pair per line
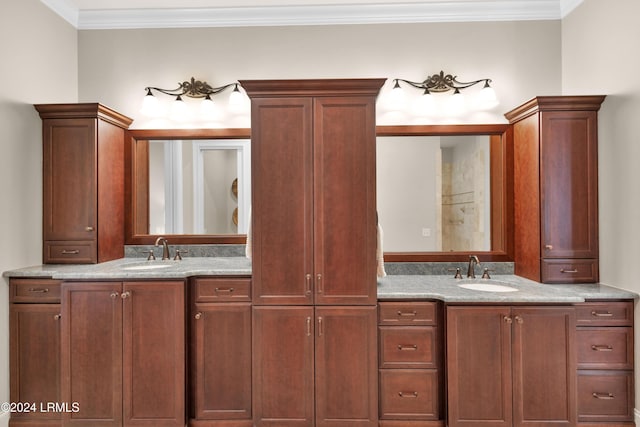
193, 89
441, 83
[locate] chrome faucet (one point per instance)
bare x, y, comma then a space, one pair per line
471, 271
165, 247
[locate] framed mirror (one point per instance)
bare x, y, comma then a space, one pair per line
443, 192
495, 213
192, 186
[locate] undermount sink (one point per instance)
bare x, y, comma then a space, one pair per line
139, 267
487, 287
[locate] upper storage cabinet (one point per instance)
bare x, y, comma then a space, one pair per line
83, 183
556, 188
313, 199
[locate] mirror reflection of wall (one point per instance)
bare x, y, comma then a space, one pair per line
434, 193
199, 187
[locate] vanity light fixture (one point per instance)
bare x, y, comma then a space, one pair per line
192, 89
440, 83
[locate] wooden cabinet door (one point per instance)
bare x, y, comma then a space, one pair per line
568, 183
35, 357
221, 365
154, 353
479, 383
544, 366
282, 196
344, 200
283, 366
91, 342
346, 367
69, 189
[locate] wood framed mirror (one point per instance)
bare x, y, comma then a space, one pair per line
498, 216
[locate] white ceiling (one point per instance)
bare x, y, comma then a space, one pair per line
103, 14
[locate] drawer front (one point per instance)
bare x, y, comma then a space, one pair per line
408, 313
34, 290
407, 394
222, 289
408, 347
605, 396
70, 252
570, 271
605, 348
605, 314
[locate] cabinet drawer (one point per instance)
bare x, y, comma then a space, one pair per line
408, 313
407, 394
70, 252
605, 348
605, 314
605, 396
222, 289
34, 290
569, 271
408, 347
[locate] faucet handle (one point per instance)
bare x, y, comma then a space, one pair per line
179, 253
151, 256
485, 274
457, 275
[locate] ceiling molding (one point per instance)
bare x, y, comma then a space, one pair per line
368, 13
567, 6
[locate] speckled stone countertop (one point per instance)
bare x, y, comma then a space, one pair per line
437, 287
138, 268
447, 289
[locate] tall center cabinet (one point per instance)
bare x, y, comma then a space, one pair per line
314, 252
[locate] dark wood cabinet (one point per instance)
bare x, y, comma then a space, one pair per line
511, 366
604, 337
34, 324
313, 172
83, 183
556, 188
220, 367
411, 354
123, 353
314, 243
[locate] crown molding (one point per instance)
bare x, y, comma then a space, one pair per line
567, 6
368, 13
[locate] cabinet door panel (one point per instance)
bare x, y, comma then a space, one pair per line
283, 388
345, 200
221, 375
282, 200
544, 366
346, 367
479, 366
568, 182
91, 341
35, 357
70, 202
154, 353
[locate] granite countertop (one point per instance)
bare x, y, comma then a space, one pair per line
447, 289
139, 268
438, 287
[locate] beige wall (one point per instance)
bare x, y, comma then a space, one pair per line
39, 64
599, 56
116, 65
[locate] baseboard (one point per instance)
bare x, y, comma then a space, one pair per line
636, 416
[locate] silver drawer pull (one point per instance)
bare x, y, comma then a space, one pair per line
412, 394
562, 270
601, 348
39, 290
70, 252
226, 290
603, 396
407, 346
601, 314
